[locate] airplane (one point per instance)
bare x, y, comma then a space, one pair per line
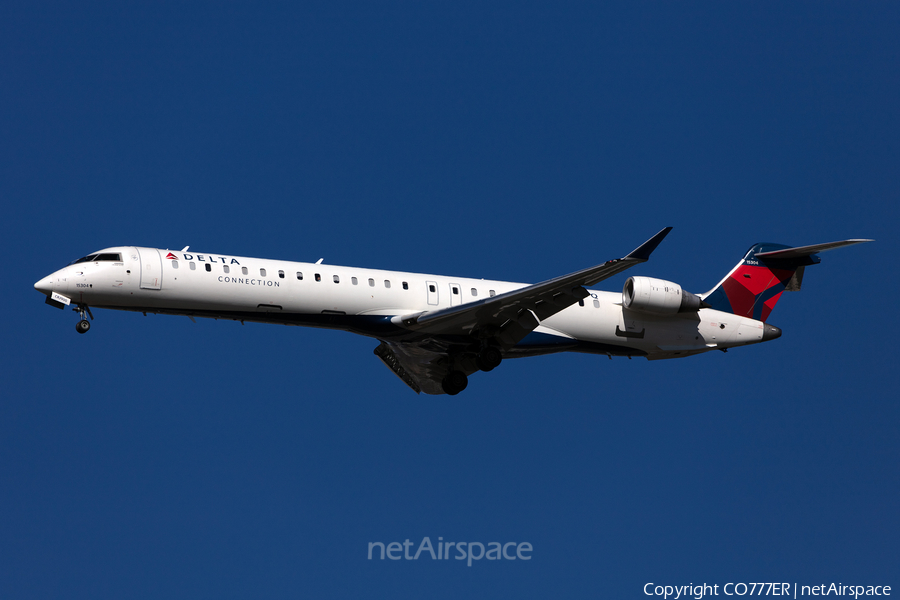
436, 331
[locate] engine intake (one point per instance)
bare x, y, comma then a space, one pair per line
659, 297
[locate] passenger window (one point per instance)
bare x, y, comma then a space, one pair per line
262, 272
596, 304
371, 283
387, 283
193, 266
455, 290
354, 280
280, 274
243, 270
226, 268
405, 286
174, 264
431, 288
318, 277
299, 276
474, 292
208, 267
492, 293
337, 279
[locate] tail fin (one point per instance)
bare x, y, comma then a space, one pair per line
753, 287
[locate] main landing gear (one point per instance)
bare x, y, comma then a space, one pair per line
454, 382
486, 357
489, 358
83, 325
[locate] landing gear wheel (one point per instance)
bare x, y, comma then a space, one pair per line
82, 326
454, 382
489, 359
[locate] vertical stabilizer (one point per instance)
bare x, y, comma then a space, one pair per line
753, 287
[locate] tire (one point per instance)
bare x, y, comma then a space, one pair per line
454, 382
82, 326
489, 359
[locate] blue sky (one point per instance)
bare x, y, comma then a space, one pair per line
155, 457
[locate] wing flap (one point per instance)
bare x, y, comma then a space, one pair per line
390, 359
421, 366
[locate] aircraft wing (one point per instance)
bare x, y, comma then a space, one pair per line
511, 316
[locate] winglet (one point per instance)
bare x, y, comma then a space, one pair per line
643, 251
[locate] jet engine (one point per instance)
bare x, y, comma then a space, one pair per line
657, 296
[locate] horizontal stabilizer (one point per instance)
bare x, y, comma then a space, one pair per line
807, 250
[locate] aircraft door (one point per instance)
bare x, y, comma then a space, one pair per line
432, 292
151, 269
455, 294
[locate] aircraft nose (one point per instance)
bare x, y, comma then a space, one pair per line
45, 286
770, 332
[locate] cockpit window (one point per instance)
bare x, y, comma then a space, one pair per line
106, 257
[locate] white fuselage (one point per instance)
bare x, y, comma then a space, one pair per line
364, 300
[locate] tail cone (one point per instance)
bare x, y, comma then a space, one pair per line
770, 332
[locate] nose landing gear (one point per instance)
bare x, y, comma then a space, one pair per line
83, 325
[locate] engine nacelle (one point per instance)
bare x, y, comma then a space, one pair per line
657, 296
